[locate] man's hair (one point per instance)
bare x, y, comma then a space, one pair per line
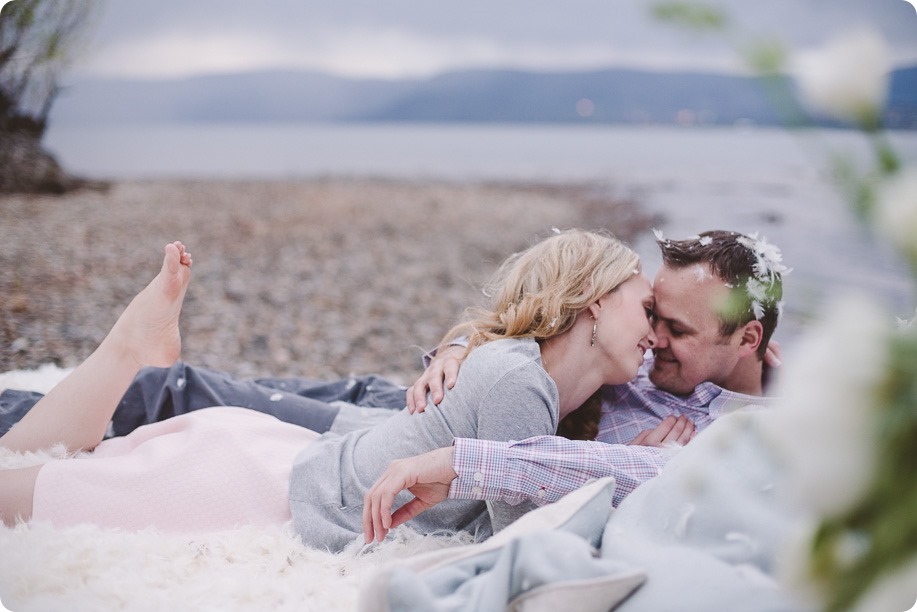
749, 267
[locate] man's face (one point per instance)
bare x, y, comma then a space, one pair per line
689, 348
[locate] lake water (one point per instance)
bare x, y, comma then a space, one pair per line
455, 151
750, 179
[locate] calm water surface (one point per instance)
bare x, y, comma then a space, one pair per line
523, 152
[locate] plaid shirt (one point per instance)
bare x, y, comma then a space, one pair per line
545, 468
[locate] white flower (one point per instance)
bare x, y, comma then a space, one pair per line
896, 210
769, 259
848, 77
756, 290
825, 432
907, 323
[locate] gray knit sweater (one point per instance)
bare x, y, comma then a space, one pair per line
502, 393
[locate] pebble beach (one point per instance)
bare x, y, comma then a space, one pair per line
318, 278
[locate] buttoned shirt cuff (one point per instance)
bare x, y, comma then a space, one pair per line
479, 465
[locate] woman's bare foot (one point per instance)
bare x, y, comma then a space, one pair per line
147, 330
78, 409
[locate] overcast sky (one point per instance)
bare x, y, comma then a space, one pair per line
397, 38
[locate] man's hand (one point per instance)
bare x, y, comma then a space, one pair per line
672, 430
443, 369
427, 476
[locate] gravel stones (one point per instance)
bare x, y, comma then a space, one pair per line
316, 278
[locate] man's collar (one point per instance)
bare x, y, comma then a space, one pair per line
719, 401
728, 401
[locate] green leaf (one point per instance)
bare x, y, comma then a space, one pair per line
766, 57
691, 15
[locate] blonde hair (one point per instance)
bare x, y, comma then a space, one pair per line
539, 292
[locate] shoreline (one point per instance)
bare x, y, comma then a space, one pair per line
318, 277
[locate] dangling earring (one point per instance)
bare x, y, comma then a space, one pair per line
595, 329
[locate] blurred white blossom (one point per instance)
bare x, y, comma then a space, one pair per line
701, 274
847, 78
907, 323
896, 210
826, 430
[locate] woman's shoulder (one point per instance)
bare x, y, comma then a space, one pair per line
508, 368
495, 359
508, 350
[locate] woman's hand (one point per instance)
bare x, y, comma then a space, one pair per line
672, 430
427, 476
443, 369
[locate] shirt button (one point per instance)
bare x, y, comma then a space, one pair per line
541, 493
476, 490
478, 476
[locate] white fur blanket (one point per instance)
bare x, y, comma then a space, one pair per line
88, 568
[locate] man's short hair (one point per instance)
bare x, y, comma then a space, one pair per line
750, 267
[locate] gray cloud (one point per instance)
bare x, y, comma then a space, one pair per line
398, 37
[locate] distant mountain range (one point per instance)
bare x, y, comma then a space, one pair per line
504, 96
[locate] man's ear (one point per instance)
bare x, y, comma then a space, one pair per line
752, 334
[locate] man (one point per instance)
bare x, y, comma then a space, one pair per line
717, 305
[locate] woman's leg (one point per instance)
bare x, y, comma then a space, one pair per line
77, 410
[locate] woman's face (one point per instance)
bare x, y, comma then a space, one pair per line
624, 328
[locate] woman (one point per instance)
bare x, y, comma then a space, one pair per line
569, 314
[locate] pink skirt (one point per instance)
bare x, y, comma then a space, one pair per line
208, 470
